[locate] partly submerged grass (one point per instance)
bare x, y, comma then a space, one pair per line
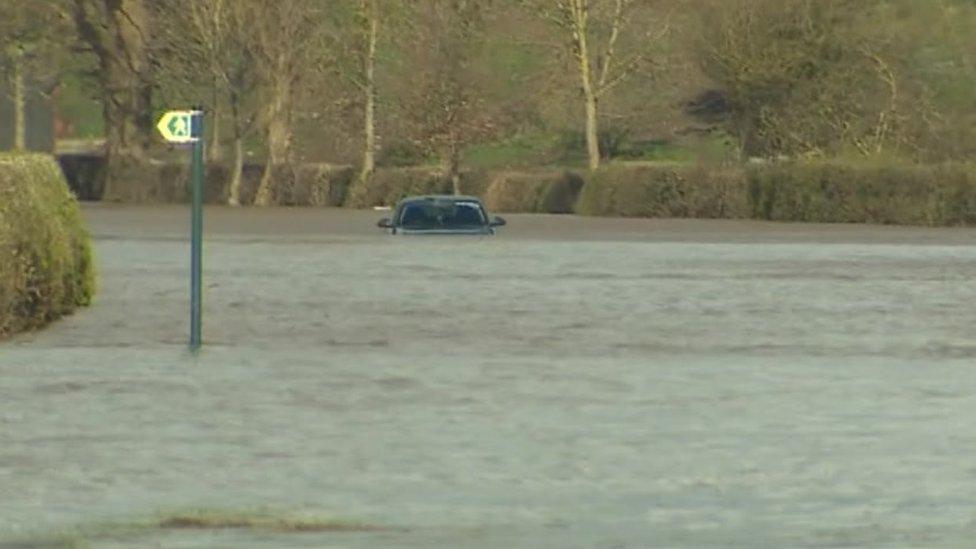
52, 541
258, 521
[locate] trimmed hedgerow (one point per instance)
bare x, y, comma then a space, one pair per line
666, 191
46, 268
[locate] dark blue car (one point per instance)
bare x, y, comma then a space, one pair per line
441, 214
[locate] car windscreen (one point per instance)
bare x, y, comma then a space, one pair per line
432, 215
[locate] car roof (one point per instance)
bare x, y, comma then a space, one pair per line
440, 198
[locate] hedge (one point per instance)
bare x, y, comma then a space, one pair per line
46, 267
304, 185
388, 185
666, 191
154, 181
782, 191
934, 195
540, 192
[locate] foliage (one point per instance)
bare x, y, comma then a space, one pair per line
533, 191
388, 186
936, 195
829, 192
45, 255
827, 78
31, 33
666, 190
837, 192
483, 85
593, 30
445, 111
312, 185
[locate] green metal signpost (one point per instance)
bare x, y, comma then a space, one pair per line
187, 127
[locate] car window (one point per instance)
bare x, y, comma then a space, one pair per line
441, 215
468, 213
417, 216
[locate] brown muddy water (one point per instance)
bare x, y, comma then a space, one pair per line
568, 383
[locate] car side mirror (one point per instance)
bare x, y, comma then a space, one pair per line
497, 222
385, 223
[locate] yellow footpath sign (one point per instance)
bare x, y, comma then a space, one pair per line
177, 126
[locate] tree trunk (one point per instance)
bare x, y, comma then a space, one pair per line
20, 106
592, 132
123, 148
132, 29
120, 124
278, 134
589, 89
453, 168
369, 150
273, 157
142, 112
237, 171
214, 152
456, 183
118, 32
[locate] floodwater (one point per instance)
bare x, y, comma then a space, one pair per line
568, 383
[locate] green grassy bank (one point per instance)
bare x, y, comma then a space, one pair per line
46, 266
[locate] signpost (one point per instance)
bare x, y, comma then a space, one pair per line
187, 127
177, 126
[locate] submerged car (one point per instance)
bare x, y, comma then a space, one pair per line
441, 214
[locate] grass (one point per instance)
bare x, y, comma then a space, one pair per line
520, 151
209, 519
260, 521
534, 150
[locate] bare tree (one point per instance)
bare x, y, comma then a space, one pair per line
809, 77
369, 18
206, 43
288, 44
194, 37
443, 104
119, 32
594, 29
361, 30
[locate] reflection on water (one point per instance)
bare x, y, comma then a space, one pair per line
499, 392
